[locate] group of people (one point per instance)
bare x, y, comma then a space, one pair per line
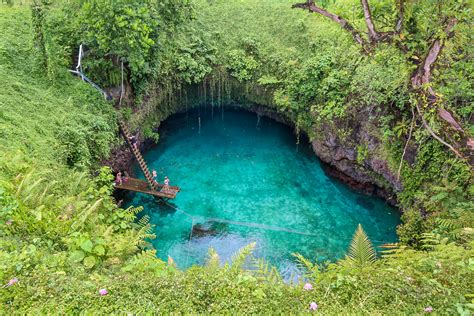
119, 179
166, 182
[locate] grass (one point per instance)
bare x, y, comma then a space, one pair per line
35, 111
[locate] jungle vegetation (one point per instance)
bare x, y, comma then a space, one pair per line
63, 238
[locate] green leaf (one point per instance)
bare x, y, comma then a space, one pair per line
99, 250
259, 293
89, 262
87, 245
77, 256
439, 196
99, 241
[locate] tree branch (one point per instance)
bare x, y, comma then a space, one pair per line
422, 75
335, 18
401, 14
428, 128
406, 144
373, 34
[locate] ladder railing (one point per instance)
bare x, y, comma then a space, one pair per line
79, 73
138, 156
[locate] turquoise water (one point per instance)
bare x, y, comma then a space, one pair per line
244, 179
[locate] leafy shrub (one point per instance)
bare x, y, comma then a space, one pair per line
241, 65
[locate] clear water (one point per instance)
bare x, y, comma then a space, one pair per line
244, 179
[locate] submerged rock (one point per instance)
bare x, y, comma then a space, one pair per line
201, 230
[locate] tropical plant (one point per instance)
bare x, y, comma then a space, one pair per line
240, 258
361, 253
309, 269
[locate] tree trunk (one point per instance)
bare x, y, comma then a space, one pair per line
373, 34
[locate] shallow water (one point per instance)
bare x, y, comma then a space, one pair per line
244, 179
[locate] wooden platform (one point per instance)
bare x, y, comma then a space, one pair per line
137, 185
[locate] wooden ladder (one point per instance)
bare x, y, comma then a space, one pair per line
138, 156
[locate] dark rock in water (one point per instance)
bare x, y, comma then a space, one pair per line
200, 230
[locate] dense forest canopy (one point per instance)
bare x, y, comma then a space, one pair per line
392, 79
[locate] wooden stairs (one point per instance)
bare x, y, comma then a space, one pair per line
153, 187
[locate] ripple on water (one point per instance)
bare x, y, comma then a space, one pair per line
263, 189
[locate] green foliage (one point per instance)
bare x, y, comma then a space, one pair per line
361, 252
194, 60
362, 153
240, 257
410, 233
64, 237
150, 134
241, 66
122, 28
311, 270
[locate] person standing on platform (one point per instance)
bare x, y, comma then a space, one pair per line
166, 187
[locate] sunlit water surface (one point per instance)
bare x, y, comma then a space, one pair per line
243, 179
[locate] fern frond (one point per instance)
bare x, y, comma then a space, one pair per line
134, 210
145, 232
44, 197
361, 252
25, 180
30, 191
76, 183
391, 249
265, 272
213, 260
131, 212
302, 261
84, 215
144, 221
310, 269
241, 256
430, 240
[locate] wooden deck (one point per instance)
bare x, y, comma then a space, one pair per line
137, 185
